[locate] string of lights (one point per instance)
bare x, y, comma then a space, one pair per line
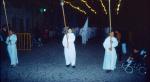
118, 6
77, 8
94, 11
85, 2
103, 7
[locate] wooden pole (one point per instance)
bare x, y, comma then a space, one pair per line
64, 17
110, 26
4, 5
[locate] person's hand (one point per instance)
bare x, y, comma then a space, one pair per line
9, 41
111, 41
110, 49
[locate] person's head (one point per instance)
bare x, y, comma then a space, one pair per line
116, 31
111, 34
10, 32
69, 30
135, 50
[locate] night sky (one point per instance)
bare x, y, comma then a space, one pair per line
133, 13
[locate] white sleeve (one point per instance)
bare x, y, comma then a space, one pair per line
13, 39
115, 42
64, 41
7, 40
106, 43
72, 38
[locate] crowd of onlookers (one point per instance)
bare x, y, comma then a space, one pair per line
135, 49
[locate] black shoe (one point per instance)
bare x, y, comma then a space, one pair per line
108, 71
73, 66
67, 65
12, 66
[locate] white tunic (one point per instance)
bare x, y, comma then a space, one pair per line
12, 50
84, 35
110, 57
69, 51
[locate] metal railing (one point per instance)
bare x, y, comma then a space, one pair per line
24, 42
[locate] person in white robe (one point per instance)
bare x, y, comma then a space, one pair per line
12, 49
110, 56
84, 32
69, 48
124, 44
